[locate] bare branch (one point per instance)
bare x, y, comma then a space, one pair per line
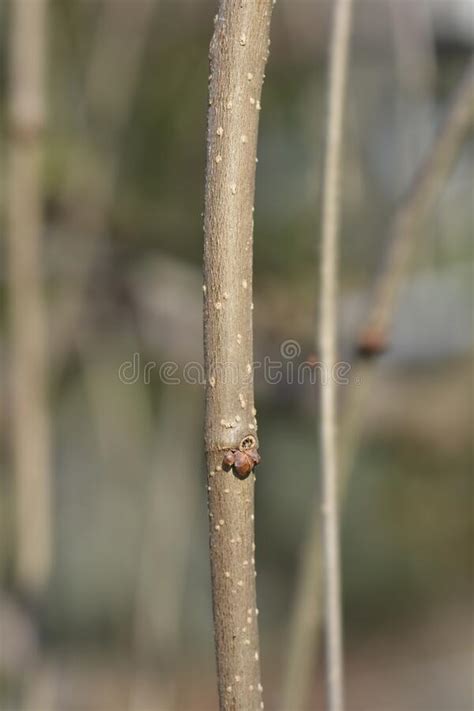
118, 50
160, 589
418, 198
328, 351
307, 611
307, 614
238, 55
27, 309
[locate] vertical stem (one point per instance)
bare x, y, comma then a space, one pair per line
418, 197
421, 193
238, 54
27, 309
328, 350
160, 590
118, 49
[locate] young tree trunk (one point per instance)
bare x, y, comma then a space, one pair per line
238, 54
27, 309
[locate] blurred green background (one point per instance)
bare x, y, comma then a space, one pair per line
126, 620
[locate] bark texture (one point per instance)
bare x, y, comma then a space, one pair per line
238, 54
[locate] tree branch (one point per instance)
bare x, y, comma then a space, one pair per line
238, 54
328, 350
160, 589
306, 621
27, 308
118, 49
418, 199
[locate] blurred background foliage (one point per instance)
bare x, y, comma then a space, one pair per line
129, 596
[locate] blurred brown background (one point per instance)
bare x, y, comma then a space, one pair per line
124, 620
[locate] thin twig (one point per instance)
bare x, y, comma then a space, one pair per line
414, 49
238, 55
118, 50
163, 566
418, 199
31, 427
328, 350
306, 621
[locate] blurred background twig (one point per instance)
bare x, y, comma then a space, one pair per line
31, 430
307, 614
111, 83
417, 200
327, 343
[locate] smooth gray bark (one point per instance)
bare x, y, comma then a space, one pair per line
238, 54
